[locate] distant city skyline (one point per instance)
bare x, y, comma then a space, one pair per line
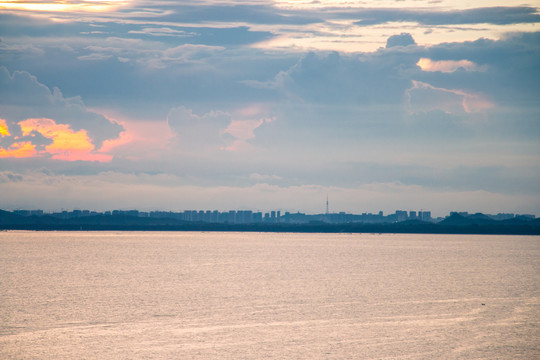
251, 104
254, 216
324, 209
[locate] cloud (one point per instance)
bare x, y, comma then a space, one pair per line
262, 177
36, 118
4, 131
66, 143
244, 131
217, 130
197, 133
334, 78
414, 113
425, 97
252, 14
187, 53
211, 34
94, 57
18, 150
403, 39
8, 176
23, 50
502, 70
161, 31
485, 15
245, 123
270, 25
149, 54
53, 6
446, 65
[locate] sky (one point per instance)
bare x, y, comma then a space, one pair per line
270, 105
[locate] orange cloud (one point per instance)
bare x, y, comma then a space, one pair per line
3, 128
67, 144
19, 150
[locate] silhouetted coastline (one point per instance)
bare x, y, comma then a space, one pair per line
454, 224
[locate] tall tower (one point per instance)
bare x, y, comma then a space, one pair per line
326, 204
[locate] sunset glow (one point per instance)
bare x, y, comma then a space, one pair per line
18, 150
3, 128
67, 144
445, 65
140, 139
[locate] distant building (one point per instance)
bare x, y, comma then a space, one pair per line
257, 217
424, 215
232, 217
502, 216
401, 215
29, 212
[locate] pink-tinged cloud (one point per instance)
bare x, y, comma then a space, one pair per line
426, 97
111, 144
243, 124
473, 103
66, 144
4, 128
243, 131
446, 66
19, 150
252, 111
140, 139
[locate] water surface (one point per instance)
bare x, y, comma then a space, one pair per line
194, 295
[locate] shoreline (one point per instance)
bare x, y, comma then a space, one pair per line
394, 228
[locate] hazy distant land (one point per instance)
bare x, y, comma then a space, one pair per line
452, 224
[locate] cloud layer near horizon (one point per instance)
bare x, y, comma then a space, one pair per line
389, 107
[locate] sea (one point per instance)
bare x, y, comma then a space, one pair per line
242, 295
